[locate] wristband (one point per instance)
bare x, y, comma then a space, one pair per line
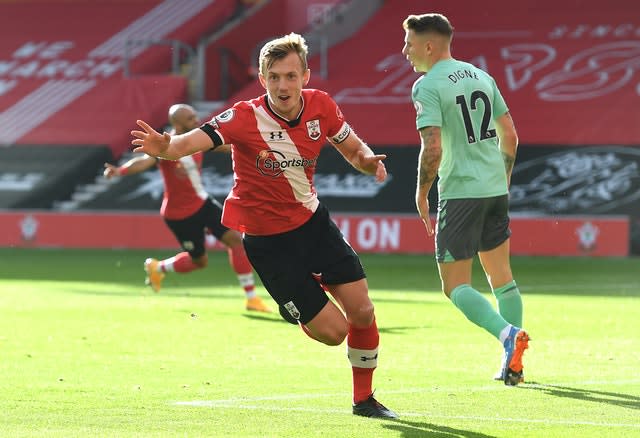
122, 171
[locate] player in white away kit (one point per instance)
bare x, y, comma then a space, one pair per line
189, 212
275, 142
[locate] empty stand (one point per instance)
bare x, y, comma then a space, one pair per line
62, 81
568, 70
38, 176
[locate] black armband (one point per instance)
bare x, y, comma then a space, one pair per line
213, 135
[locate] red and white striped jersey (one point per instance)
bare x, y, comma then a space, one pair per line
184, 193
274, 160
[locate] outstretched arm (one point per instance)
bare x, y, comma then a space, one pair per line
169, 147
428, 163
361, 157
131, 167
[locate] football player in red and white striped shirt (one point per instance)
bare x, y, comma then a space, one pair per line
275, 141
189, 212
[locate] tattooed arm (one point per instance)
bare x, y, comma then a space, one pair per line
428, 163
508, 142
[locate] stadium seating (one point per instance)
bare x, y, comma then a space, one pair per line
62, 79
236, 47
569, 77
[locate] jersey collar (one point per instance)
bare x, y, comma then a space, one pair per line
291, 123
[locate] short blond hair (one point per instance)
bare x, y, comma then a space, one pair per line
279, 48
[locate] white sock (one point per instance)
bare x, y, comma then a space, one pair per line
167, 264
504, 334
248, 283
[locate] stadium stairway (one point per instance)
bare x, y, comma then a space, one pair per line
63, 81
238, 43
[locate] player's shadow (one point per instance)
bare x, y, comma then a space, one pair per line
265, 317
274, 317
415, 429
167, 293
612, 398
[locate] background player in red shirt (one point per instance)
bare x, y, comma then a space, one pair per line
275, 142
189, 212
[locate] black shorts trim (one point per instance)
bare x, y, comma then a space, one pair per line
190, 231
287, 261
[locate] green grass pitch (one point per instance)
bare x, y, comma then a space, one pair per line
87, 350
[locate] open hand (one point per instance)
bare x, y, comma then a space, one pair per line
150, 141
374, 164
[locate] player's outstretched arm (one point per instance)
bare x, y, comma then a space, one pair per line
131, 167
166, 146
361, 157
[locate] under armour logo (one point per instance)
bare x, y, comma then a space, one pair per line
276, 135
365, 358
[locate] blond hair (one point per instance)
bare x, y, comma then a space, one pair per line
279, 48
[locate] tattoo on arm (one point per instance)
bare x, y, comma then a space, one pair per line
430, 155
508, 162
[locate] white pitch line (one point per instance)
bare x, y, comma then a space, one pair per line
465, 390
246, 403
214, 404
576, 287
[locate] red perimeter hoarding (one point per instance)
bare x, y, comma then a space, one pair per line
549, 236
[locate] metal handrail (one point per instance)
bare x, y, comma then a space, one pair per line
177, 47
227, 82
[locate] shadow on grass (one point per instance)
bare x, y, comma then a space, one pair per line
414, 429
612, 398
274, 317
167, 293
577, 276
415, 274
177, 291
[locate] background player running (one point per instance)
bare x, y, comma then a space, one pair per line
190, 212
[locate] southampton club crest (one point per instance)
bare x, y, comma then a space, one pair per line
588, 235
313, 129
292, 309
